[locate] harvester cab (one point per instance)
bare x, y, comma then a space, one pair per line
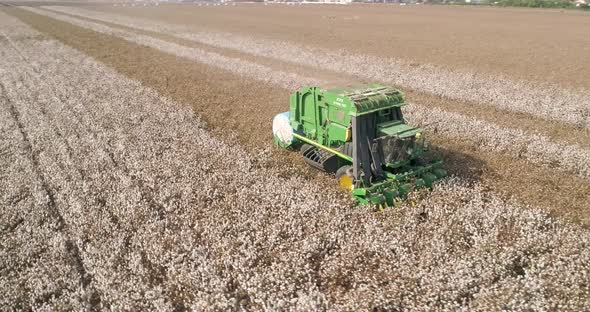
359, 134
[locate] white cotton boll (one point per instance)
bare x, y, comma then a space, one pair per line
533, 147
543, 100
162, 218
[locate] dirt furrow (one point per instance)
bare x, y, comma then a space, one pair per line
235, 234
545, 101
556, 132
532, 147
560, 193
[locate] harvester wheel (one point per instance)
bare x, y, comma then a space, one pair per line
345, 178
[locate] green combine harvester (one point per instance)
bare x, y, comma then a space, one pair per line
359, 134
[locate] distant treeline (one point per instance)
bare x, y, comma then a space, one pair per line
539, 3
517, 3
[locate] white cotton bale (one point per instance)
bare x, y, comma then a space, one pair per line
281, 129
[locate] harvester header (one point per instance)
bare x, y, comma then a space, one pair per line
359, 134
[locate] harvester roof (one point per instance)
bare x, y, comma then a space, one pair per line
369, 98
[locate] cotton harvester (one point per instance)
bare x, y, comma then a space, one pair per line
359, 134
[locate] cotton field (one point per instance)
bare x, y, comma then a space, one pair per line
139, 173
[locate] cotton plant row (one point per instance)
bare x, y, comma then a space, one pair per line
244, 68
167, 216
540, 99
94, 176
488, 136
33, 254
533, 147
73, 153
35, 259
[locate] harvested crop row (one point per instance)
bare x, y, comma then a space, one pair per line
556, 131
249, 69
546, 101
506, 41
165, 219
186, 81
535, 148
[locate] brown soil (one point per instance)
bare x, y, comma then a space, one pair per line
210, 91
556, 131
537, 45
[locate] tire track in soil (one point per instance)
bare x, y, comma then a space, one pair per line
505, 175
77, 118
236, 287
556, 131
72, 248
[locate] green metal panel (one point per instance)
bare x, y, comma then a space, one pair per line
324, 118
365, 99
337, 134
308, 113
324, 115
397, 128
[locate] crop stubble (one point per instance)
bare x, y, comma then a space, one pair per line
280, 55
560, 193
124, 164
532, 147
519, 43
554, 102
